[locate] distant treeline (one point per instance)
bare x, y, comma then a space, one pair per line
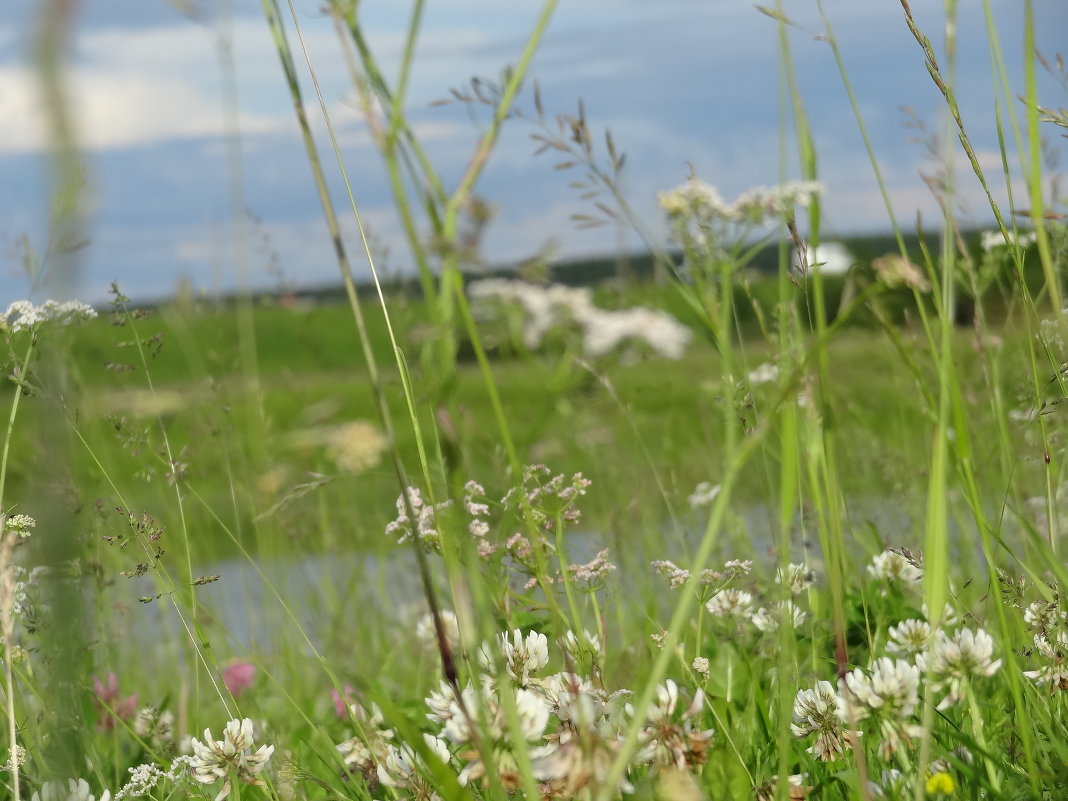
596, 270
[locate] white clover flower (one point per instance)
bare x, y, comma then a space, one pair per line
700, 666
892, 567
909, 638
889, 696
523, 656
69, 790
403, 768
731, 603
797, 578
1054, 674
892, 689
954, 659
819, 711
233, 755
769, 620
674, 740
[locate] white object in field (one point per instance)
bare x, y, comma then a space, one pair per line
830, 258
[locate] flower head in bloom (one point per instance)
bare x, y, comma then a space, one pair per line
818, 711
952, 660
700, 666
1053, 649
23, 315
154, 726
594, 571
523, 656
890, 695
674, 739
231, 756
895, 568
403, 768
797, 578
731, 603
364, 752
110, 707
69, 790
909, 638
238, 677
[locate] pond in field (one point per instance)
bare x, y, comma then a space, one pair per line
261, 605
328, 601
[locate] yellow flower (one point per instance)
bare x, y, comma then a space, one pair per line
940, 784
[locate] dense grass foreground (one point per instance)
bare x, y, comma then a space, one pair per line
790, 543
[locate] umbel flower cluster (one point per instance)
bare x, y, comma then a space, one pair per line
22, 315
515, 717
603, 331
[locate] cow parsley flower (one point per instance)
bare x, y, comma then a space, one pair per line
231, 756
22, 315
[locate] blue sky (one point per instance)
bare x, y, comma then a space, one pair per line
678, 82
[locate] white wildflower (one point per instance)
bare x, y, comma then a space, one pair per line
403, 768
523, 656
818, 711
893, 567
952, 660
700, 665
233, 755
797, 578
1053, 649
731, 603
23, 315
909, 638
890, 695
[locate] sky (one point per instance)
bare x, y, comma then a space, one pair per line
681, 84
